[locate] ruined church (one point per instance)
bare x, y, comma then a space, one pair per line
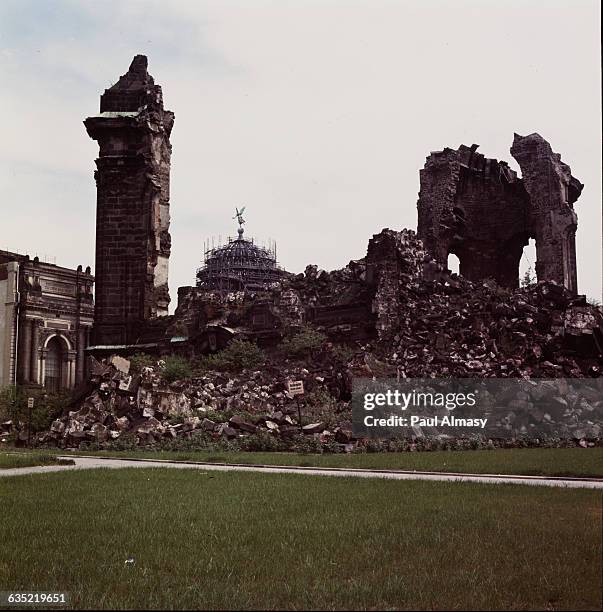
469, 205
398, 311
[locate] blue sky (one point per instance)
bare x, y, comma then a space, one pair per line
315, 115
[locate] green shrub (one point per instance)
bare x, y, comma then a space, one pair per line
261, 441
342, 354
13, 403
176, 368
238, 355
47, 407
138, 361
303, 342
332, 446
198, 441
320, 397
175, 419
320, 405
125, 442
306, 445
217, 416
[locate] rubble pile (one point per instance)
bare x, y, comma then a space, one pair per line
397, 312
429, 322
144, 406
436, 324
317, 287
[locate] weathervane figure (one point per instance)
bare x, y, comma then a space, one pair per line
239, 217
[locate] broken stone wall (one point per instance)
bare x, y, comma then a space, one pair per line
553, 191
478, 209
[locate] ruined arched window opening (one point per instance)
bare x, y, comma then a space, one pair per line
54, 365
483, 211
527, 264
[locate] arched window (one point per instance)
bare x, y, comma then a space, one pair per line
527, 264
54, 365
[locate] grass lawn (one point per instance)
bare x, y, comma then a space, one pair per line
23, 459
246, 541
582, 462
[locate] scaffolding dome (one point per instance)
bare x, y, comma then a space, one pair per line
239, 265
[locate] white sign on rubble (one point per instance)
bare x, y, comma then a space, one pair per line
295, 387
121, 364
30, 402
124, 384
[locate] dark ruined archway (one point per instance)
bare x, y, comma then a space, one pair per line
55, 365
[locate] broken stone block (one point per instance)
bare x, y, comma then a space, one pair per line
99, 432
122, 423
190, 423
240, 423
313, 428
208, 424
151, 426
57, 426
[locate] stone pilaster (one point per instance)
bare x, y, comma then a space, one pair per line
69, 370
81, 356
24, 357
35, 351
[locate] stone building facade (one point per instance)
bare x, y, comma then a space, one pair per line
132, 215
478, 209
46, 314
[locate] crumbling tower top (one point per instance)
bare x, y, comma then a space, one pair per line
133, 90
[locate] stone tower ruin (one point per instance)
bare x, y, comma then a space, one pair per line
132, 214
478, 209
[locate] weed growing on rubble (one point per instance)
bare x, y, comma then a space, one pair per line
125, 442
320, 405
307, 445
138, 361
303, 342
261, 442
176, 368
341, 354
238, 355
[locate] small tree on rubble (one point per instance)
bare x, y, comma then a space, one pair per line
529, 278
303, 342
